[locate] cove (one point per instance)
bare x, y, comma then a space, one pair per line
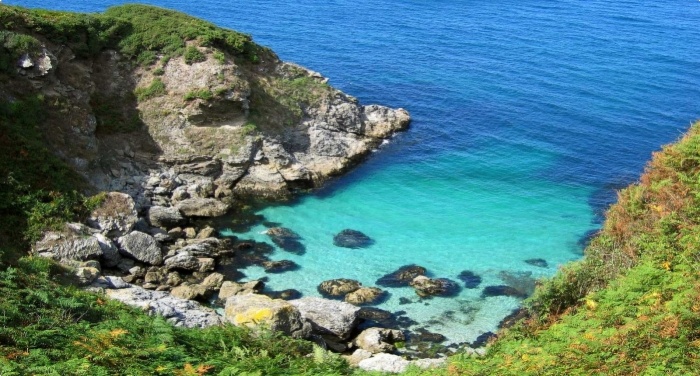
527, 116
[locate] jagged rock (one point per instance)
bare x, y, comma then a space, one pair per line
502, 290
173, 279
229, 288
73, 242
182, 261
206, 264
252, 310
401, 277
542, 263
385, 363
213, 281
338, 287
470, 279
152, 277
202, 207
286, 239
110, 253
352, 239
382, 121
365, 295
116, 215
279, 266
426, 287
141, 247
206, 232
165, 217
179, 312
379, 340
191, 292
328, 316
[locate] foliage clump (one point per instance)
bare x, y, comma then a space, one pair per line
155, 89
205, 94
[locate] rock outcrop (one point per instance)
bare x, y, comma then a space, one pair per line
328, 316
253, 310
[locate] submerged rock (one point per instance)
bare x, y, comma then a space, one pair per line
471, 280
286, 239
426, 287
279, 266
288, 294
542, 263
338, 287
366, 295
502, 290
401, 277
352, 239
521, 281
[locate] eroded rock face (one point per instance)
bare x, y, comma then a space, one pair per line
252, 310
328, 316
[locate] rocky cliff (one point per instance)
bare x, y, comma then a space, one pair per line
194, 120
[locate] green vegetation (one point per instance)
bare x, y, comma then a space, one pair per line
48, 328
632, 305
37, 190
138, 31
219, 56
193, 55
205, 94
155, 89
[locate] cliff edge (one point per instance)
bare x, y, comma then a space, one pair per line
169, 108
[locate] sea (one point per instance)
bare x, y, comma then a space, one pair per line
528, 116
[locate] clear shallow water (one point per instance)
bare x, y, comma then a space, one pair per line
527, 115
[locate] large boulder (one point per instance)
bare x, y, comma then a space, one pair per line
382, 122
165, 217
401, 277
338, 287
352, 239
253, 310
178, 311
385, 363
365, 295
328, 316
191, 292
141, 247
110, 253
74, 242
427, 287
202, 207
116, 215
379, 340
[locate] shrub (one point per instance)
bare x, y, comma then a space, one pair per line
155, 89
205, 94
194, 55
219, 56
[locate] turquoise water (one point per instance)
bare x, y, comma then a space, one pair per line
527, 116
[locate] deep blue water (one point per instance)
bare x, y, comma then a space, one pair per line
527, 116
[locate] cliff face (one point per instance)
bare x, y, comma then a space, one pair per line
209, 120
